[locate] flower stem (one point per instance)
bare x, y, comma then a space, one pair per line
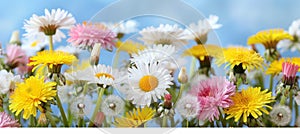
192, 67
296, 110
98, 103
164, 121
282, 101
49, 117
62, 112
291, 100
271, 83
50, 43
187, 123
179, 94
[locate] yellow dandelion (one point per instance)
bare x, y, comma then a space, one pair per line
135, 118
129, 46
276, 66
200, 51
239, 56
248, 102
269, 38
29, 95
52, 59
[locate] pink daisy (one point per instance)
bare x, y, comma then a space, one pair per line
289, 71
7, 121
213, 93
86, 35
16, 56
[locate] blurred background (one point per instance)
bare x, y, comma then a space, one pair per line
240, 19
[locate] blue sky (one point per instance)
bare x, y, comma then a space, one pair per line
240, 18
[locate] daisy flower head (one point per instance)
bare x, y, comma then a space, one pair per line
288, 44
102, 75
31, 47
135, 118
289, 71
30, 94
15, 56
154, 53
112, 105
164, 34
49, 24
53, 59
148, 83
7, 121
188, 106
8, 81
86, 35
70, 49
211, 94
239, 59
250, 102
199, 31
281, 115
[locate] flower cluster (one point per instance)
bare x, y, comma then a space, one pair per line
46, 87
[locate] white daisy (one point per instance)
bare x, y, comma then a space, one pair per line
112, 105
200, 30
291, 45
81, 106
148, 83
188, 106
155, 53
102, 75
164, 34
281, 115
8, 81
33, 46
123, 27
50, 24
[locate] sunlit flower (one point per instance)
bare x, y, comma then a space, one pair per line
240, 57
199, 31
30, 94
148, 83
164, 34
281, 115
85, 36
251, 101
269, 38
212, 94
8, 81
276, 66
15, 56
112, 105
154, 53
200, 51
50, 24
52, 59
188, 106
288, 44
7, 121
135, 118
129, 46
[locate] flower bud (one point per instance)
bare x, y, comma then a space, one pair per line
15, 38
182, 76
95, 54
42, 119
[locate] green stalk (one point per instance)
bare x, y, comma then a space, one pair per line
282, 101
85, 88
192, 67
32, 121
187, 123
291, 100
164, 121
50, 43
296, 110
271, 83
179, 94
98, 103
69, 115
49, 117
62, 112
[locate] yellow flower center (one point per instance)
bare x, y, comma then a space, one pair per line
98, 75
34, 44
148, 83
